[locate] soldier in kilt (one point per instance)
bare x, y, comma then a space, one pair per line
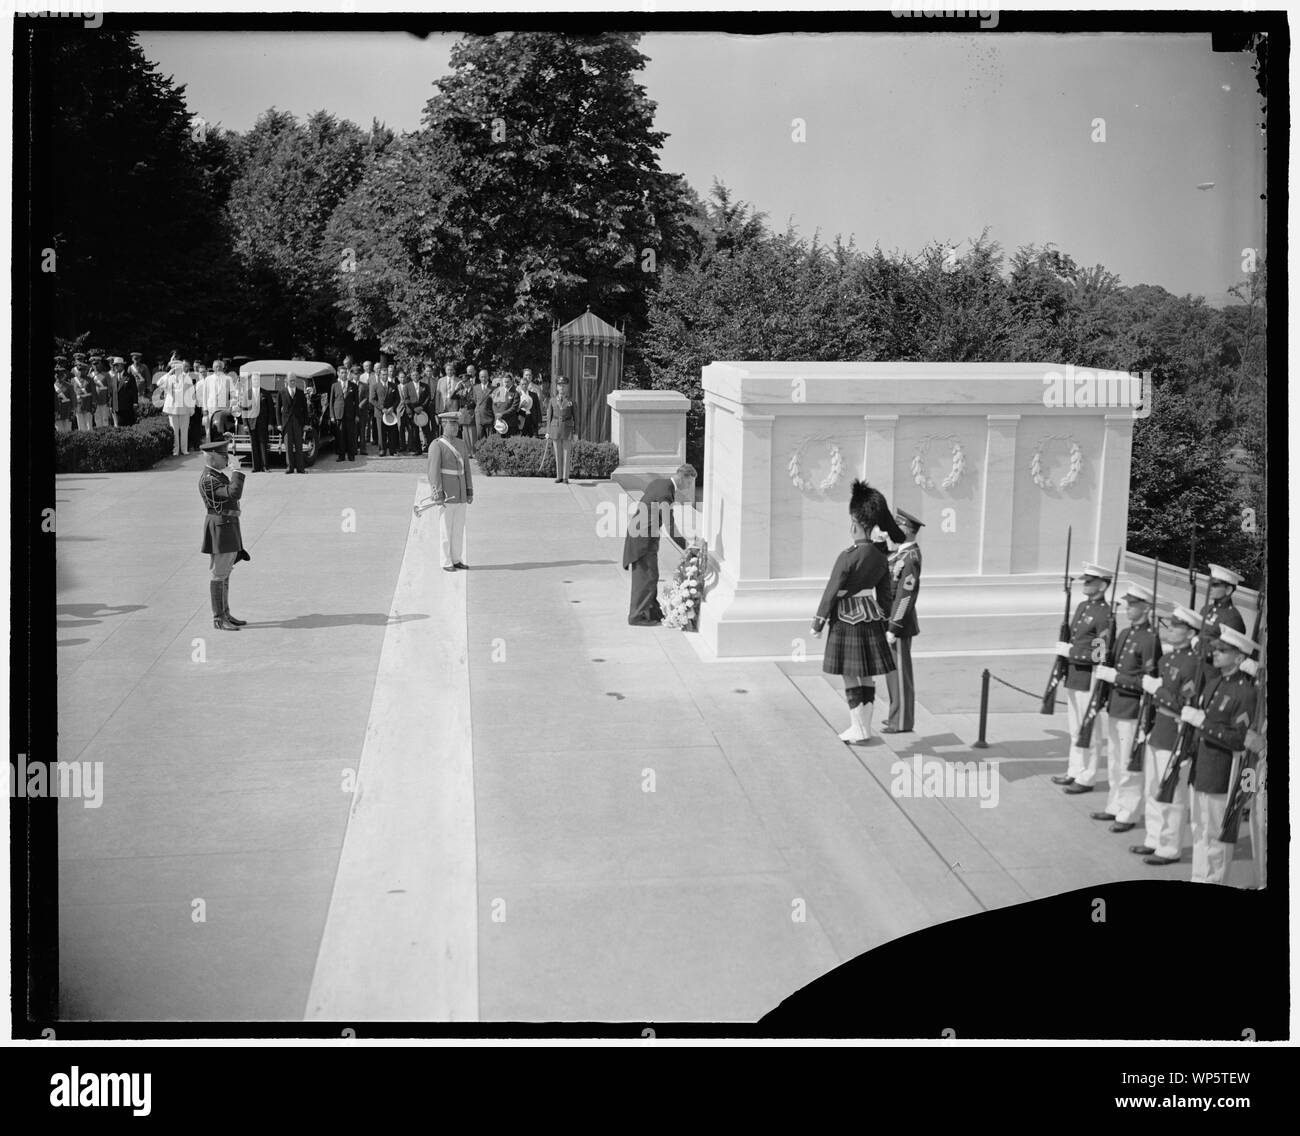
856, 646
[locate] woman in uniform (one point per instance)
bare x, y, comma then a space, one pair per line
561, 428
856, 646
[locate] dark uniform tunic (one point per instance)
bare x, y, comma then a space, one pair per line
1178, 671
905, 574
221, 500
1091, 622
1222, 613
857, 649
1229, 705
1137, 653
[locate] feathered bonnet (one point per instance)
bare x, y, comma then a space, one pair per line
869, 509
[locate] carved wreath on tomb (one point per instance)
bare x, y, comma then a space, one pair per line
831, 479
920, 460
1070, 476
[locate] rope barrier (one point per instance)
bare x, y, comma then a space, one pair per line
982, 742
1020, 689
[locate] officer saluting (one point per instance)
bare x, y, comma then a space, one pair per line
1091, 624
1172, 689
1219, 610
221, 537
1222, 719
1137, 654
905, 574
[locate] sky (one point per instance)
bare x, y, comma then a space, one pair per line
908, 138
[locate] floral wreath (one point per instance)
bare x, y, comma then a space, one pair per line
681, 605
831, 479
922, 450
1071, 475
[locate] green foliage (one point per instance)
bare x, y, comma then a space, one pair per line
113, 449
137, 218
293, 178
535, 457
532, 191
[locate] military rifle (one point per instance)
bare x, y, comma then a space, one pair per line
1060, 666
1147, 705
1101, 690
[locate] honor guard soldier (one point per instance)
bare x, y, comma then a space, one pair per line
1088, 631
1222, 718
1137, 655
221, 536
1173, 688
451, 482
1219, 610
905, 573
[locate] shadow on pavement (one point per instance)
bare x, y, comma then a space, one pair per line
351, 619
522, 567
83, 615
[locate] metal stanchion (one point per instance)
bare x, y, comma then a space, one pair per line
984, 710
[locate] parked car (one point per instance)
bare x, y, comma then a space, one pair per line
273, 374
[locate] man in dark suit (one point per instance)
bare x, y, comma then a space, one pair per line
905, 575
651, 516
293, 420
389, 399
343, 409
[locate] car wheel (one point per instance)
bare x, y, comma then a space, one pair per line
310, 445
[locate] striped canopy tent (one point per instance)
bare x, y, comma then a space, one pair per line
589, 353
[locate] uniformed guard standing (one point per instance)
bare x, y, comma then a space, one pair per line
905, 572
1137, 655
221, 536
1179, 670
452, 484
1222, 718
1219, 610
1088, 630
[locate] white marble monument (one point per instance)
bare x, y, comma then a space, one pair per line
649, 428
998, 460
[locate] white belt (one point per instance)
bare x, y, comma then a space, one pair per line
446, 470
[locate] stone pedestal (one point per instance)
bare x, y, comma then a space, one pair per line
989, 455
649, 428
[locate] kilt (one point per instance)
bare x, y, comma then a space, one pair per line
857, 649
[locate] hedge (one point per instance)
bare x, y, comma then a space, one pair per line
534, 457
113, 449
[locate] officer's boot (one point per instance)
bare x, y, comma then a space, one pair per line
225, 604
219, 620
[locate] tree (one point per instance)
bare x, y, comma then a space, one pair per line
137, 226
294, 177
532, 191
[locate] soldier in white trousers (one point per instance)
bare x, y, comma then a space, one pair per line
1086, 648
1172, 689
1137, 652
1222, 718
452, 488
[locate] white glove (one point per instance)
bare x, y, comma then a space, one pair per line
1192, 716
1250, 667
1105, 674
1063, 649
891, 638
1150, 684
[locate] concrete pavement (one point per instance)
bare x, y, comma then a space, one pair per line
655, 835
